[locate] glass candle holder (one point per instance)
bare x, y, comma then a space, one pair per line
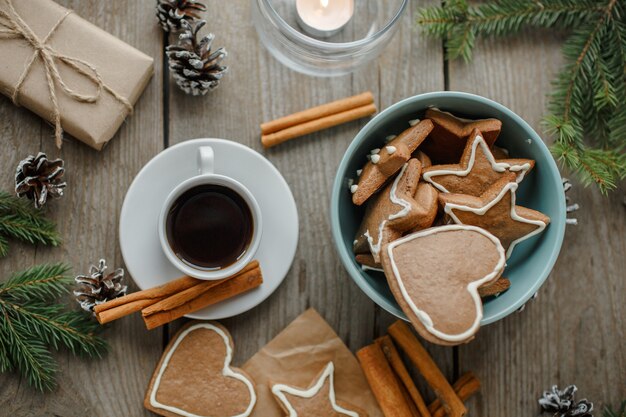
358, 42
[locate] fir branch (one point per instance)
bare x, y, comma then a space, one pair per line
588, 94
20, 221
31, 323
28, 354
4, 246
461, 23
41, 283
621, 412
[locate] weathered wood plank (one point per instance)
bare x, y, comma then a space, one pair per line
87, 217
575, 331
412, 64
258, 88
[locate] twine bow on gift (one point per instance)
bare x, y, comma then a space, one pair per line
12, 26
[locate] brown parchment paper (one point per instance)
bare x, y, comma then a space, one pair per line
297, 355
122, 67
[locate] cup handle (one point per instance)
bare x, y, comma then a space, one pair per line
205, 160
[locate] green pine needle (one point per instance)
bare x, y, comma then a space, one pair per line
587, 115
18, 220
621, 412
32, 323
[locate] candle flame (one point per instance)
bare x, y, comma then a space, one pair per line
324, 3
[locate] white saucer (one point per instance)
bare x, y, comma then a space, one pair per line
139, 239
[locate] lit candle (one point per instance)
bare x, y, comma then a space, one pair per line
324, 18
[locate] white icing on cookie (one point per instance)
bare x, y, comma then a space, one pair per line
353, 188
406, 207
226, 371
375, 158
496, 166
329, 372
350, 182
371, 268
462, 119
375, 151
510, 187
359, 172
472, 287
414, 122
390, 138
390, 149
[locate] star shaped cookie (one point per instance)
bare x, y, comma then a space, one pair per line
395, 210
496, 212
317, 400
477, 170
388, 160
447, 141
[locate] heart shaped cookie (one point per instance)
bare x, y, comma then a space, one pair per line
435, 275
194, 377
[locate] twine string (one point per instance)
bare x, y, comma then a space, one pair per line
12, 26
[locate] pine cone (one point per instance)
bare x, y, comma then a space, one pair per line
562, 404
172, 13
98, 287
196, 69
38, 178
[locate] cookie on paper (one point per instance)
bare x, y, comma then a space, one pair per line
194, 376
318, 399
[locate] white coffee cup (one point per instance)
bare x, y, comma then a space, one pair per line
206, 175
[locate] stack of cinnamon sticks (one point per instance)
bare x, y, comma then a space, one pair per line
317, 118
393, 386
163, 304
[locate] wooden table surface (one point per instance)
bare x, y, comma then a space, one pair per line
575, 332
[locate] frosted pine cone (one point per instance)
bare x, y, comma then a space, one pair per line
195, 67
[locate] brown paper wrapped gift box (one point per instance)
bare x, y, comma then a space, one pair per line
122, 68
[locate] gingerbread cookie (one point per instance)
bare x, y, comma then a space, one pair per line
435, 275
368, 263
385, 162
499, 153
315, 401
394, 211
423, 158
447, 140
477, 170
495, 211
494, 289
194, 377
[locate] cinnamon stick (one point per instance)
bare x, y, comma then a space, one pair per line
394, 359
466, 386
137, 301
385, 386
501, 285
170, 308
179, 299
131, 303
273, 139
404, 337
318, 112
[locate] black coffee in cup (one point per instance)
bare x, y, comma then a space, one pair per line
209, 226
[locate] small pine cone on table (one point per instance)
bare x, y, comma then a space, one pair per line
171, 13
195, 67
98, 287
38, 178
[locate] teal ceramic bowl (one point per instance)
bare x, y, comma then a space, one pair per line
542, 190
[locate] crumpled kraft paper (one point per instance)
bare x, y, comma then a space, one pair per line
297, 355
